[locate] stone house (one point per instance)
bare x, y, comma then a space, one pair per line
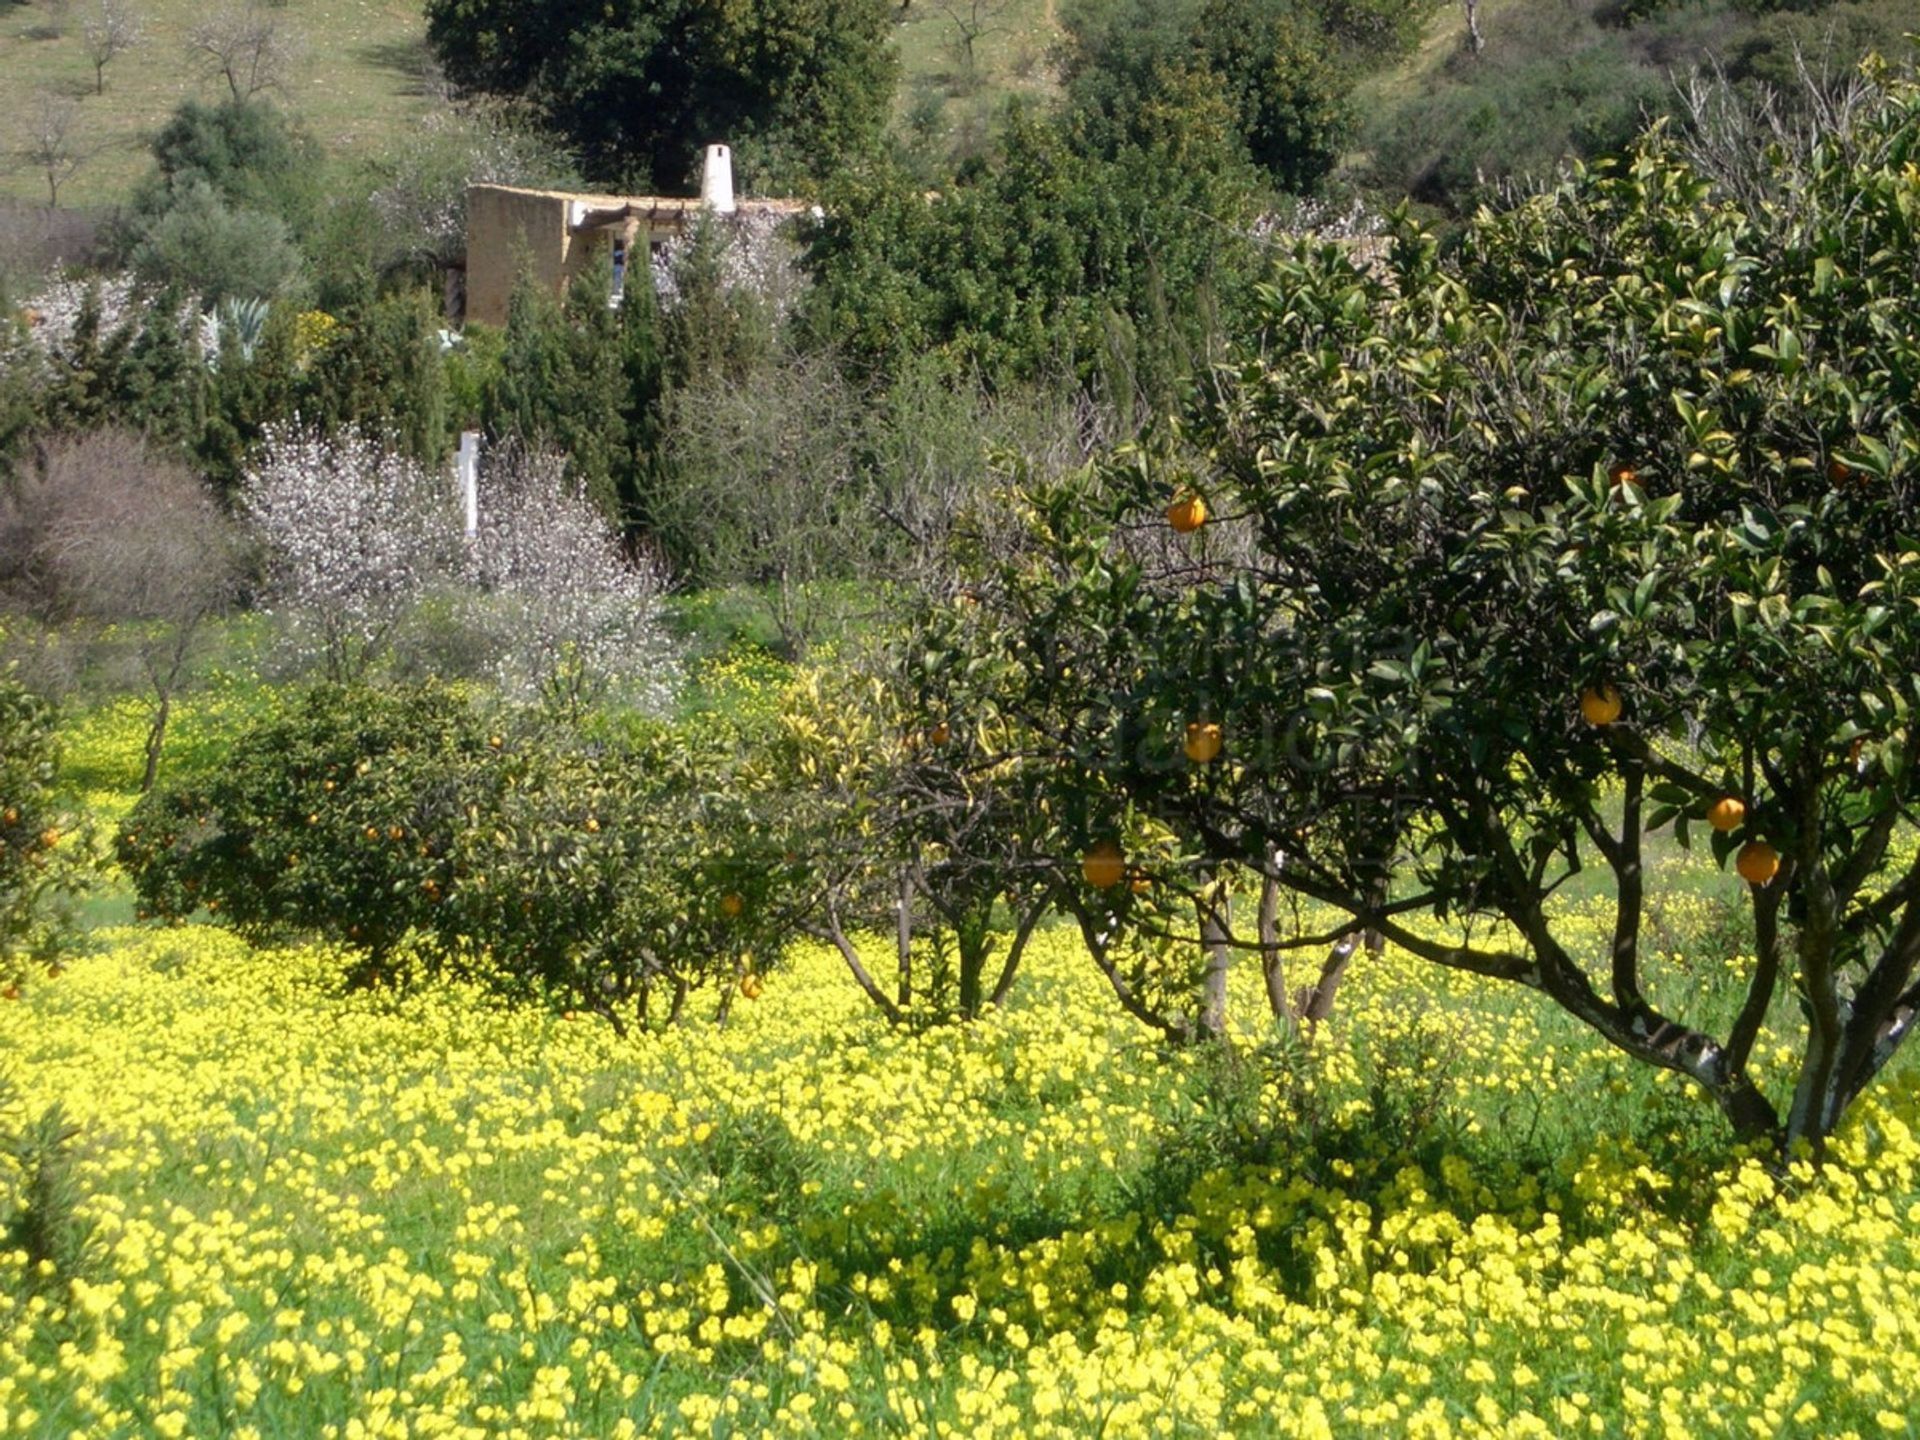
554, 235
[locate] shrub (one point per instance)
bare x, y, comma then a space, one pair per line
216, 251
37, 876
510, 847
337, 818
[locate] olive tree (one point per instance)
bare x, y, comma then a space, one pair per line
1488, 566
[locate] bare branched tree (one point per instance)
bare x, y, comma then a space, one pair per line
103, 535
53, 142
250, 48
111, 30
971, 19
1756, 145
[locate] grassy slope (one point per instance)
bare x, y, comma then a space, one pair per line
1551, 70
938, 95
358, 85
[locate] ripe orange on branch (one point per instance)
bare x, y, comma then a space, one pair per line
1203, 742
1727, 813
750, 986
731, 905
1187, 514
1600, 706
1103, 867
1757, 862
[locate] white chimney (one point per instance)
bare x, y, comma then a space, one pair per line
716, 180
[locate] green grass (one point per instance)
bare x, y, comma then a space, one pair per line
946, 106
357, 86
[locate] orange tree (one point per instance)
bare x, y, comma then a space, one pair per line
1517, 555
907, 801
591, 869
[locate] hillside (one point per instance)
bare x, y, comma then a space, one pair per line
1559, 77
363, 77
358, 81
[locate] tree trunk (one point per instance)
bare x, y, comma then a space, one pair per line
1015, 949
903, 938
156, 739
1273, 960
1316, 1003
1213, 982
837, 937
1178, 1029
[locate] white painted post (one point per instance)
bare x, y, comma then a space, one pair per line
466, 466
716, 180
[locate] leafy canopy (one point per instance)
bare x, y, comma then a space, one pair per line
1427, 544
641, 85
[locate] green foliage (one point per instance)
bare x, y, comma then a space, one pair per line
1557, 82
330, 818
1051, 257
794, 85
583, 379
517, 850
39, 1209
38, 875
1270, 60
382, 371
215, 251
247, 153
1643, 433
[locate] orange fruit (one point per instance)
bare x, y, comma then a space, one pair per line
1187, 514
731, 905
1727, 813
939, 734
1600, 707
1757, 862
9, 816
593, 825
12, 992
750, 986
49, 838
373, 832
496, 741
1140, 884
1621, 473
1203, 742
1103, 867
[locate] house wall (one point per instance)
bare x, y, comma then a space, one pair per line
509, 231
512, 232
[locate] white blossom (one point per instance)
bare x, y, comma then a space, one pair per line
354, 535
578, 615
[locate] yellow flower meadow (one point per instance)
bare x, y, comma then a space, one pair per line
423, 1214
